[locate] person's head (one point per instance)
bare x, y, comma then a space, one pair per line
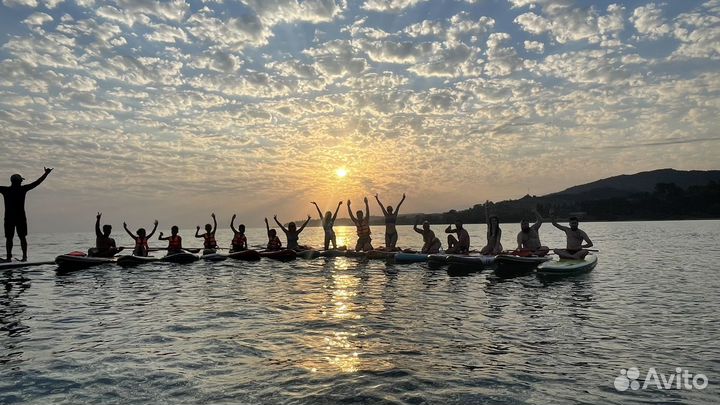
525, 225
174, 230
426, 225
272, 233
389, 209
241, 228
16, 179
328, 216
292, 227
458, 224
141, 232
574, 223
208, 228
106, 230
360, 214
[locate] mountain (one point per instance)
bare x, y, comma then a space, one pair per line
644, 182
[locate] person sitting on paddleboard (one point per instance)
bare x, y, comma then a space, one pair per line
461, 245
274, 242
494, 234
292, 232
328, 221
391, 235
141, 239
362, 223
575, 238
209, 244
15, 218
431, 244
528, 239
239, 242
104, 245
174, 240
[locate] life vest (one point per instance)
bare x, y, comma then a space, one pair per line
175, 243
239, 241
210, 242
141, 245
274, 244
363, 228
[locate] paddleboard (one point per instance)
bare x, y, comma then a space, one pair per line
566, 267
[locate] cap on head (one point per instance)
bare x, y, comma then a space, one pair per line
16, 179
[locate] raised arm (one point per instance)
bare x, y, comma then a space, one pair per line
450, 230
155, 225
397, 209
538, 219
318, 209
487, 214
336, 211
197, 232
367, 210
128, 231
232, 224
279, 224
558, 226
352, 217
161, 237
214, 222
267, 226
97, 225
415, 228
382, 207
39, 180
303, 225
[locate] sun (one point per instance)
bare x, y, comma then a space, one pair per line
341, 172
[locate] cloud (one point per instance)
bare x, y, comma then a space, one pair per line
20, 3
389, 6
649, 22
534, 46
37, 18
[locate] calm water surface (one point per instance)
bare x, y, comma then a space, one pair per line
348, 331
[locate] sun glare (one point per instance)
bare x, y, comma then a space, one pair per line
341, 172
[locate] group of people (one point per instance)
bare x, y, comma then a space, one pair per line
458, 239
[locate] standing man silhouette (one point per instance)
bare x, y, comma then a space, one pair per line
15, 218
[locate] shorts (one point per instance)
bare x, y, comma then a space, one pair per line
12, 224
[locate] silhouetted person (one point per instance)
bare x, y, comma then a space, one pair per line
274, 242
431, 244
575, 237
494, 234
15, 218
461, 245
209, 242
239, 241
141, 239
174, 240
328, 221
391, 235
104, 245
528, 239
362, 224
292, 233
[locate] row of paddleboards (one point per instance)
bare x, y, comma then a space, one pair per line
505, 266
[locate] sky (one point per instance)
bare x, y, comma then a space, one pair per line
173, 110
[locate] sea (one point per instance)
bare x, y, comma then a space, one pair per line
642, 328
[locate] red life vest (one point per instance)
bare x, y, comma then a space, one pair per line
363, 228
274, 244
210, 242
141, 245
239, 241
175, 243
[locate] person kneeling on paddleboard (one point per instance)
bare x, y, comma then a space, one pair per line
528, 239
575, 249
104, 245
431, 244
209, 244
292, 233
461, 245
174, 240
327, 224
274, 242
141, 239
239, 242
362, 223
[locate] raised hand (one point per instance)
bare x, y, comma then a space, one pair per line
198, 227
365, 199
340, 203
348, 203
234, 216
156, 222
309, 217
99, 214
47, 170
266, 221
212, 215
125, 224
403, 196
313, 203
275, 217
161, 234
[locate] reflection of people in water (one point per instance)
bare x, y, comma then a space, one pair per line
11, 306
15, 219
